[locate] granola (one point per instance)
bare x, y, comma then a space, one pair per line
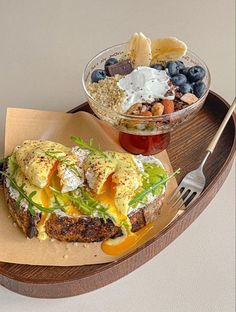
107, 92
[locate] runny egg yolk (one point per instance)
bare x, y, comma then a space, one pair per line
52, 172
72, 211
46, 195
53, 180
107, 197
120, 245
108, 192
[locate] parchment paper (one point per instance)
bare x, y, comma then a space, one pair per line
22, 124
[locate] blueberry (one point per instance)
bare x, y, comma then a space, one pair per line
186, 88
196, 73
173, 68
98, 74
199, 88
111, 61
179, 79
180, 64
157, 66
192, 84
184, 70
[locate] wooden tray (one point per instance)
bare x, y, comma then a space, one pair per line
56, 282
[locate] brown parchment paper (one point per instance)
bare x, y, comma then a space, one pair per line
22, 124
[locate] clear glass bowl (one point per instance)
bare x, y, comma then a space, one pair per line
142, 125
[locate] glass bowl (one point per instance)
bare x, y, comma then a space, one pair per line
142, 134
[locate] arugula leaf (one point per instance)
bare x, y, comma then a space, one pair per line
152, 173
152, 188
30, 206
86, 203
58, 204
89, 146
77, 201
28, 198
4, 160
95, 205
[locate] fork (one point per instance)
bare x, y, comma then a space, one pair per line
194, 182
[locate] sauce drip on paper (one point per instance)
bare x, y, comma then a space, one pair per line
120, 245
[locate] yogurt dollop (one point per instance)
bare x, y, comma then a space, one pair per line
144, 84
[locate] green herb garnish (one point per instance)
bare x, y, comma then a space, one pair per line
151, 188
86, 203
28, 198
56, 204
89, 146
4, 160
96, 206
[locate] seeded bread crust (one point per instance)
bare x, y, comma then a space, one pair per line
77, 229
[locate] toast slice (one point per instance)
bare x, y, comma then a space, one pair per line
77, 229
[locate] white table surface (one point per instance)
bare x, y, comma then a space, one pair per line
44, 47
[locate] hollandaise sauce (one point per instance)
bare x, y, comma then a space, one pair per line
41, 226
120, 245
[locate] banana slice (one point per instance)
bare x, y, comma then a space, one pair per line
167, 49
138, 50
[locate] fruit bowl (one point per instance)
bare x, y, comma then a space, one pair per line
142, 134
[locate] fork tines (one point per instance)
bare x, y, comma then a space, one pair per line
182, 197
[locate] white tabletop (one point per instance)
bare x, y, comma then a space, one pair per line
44, 47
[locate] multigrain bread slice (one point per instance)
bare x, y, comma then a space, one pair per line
77, 229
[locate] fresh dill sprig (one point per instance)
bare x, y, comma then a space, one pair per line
152, 188
89, 146
28, 198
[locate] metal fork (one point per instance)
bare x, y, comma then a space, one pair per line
194, 182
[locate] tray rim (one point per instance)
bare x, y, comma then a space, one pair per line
218, 180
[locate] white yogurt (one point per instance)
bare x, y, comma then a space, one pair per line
144, 84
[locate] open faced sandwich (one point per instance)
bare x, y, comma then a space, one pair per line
81, 194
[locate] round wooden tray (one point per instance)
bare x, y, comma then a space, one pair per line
186, 150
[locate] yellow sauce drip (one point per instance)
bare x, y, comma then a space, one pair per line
120, 245
46, 195
72, 211
42, 235
107, 197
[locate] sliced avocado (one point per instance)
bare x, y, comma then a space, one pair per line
152, 174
